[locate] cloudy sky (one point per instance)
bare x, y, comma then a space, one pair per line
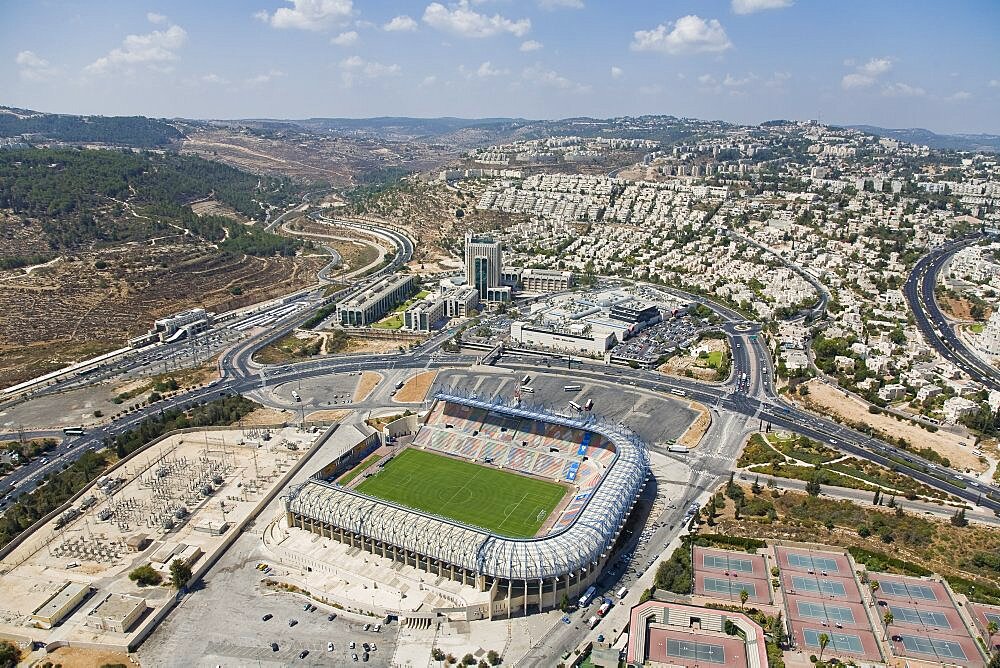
898, 64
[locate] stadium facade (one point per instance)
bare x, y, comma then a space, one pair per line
606, 464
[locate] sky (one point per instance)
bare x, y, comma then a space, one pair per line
918, 63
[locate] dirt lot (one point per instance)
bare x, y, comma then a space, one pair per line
72, 310
266, 416
692, 437
369, 379
327, 416
416, 387
699, 368
832, 401
213, 207
74, 657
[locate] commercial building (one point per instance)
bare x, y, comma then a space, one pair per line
56, 607
671, 634
116, 612
460, 301
370, 305
483, 265
424, 315
545, 280
576, 338
635, 312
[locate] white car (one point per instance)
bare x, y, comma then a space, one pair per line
329, 647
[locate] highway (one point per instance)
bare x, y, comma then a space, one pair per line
932, 323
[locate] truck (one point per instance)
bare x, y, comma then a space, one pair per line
295, 396
603, 610
587, 595
622, 593
678, 448
399, 385
593, 621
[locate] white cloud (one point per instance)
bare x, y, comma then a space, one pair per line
551, 79
345, 38
560, 4
707, 80
156, 49
732, 82
429, 80
777, 79
401, 23
900, 89
355, 69
688, 34
153, 17
213, 79
530, 45
264, 78
33, 67
960, 96
616, 72
486, 70
994, 83
751, 6
866, 74
463, 21
309, 14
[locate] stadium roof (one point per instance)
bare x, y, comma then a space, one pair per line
578, 546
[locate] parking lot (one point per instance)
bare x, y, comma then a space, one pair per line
657, 340
655, 419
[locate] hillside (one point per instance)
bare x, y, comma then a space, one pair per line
134, 131
922, 137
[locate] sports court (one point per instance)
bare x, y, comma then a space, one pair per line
724, 574
499, 501
983, 615
925, 624
691, 648
822, 597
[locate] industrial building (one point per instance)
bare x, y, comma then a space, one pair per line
61, 603
607, 464
117, 612
370, 305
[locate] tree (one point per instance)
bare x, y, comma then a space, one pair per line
958, 519
874, 586
437, 654
813, 486
887, 618
493, 657
180, 573
991, 630
9, 654
824, 640
145, 576
743, 597
564, 603
469, 660
877, 498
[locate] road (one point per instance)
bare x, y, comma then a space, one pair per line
931, 321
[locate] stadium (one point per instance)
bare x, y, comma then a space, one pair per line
509, 499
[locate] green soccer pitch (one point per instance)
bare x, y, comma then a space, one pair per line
504, 503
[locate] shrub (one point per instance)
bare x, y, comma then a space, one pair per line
145, 575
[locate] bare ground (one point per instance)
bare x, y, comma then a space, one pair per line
78, 657
416, 387
696, 430
369, 379
828, 400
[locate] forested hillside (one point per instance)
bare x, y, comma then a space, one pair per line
82, 197
135, 131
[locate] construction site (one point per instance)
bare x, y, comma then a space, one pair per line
183, 498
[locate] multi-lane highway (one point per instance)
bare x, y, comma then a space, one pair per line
935, 327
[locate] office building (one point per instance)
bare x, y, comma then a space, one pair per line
370, 305
483, 265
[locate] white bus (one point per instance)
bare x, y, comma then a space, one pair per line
680, 393
587, 595
73, 431
529, 390
295, 396
590, 404
571, 388
575, 406
525, 380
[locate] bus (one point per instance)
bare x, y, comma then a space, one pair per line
73, 431
529, 390
295, 396
571, 388
575, 406
525, 380
590, 404
587, 595
679, 393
